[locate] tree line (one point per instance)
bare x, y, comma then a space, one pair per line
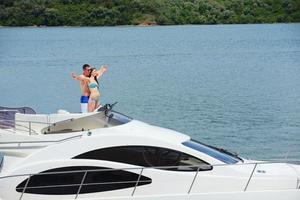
146, 12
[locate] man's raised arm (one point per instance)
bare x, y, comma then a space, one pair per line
79, 78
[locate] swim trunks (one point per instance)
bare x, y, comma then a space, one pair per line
84, 103
84, 99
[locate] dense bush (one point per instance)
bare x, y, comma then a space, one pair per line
133, 12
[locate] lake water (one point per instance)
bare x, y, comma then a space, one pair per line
234, 86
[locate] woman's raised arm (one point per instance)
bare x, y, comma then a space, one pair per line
101, 71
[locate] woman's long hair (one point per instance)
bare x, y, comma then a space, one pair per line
95, 77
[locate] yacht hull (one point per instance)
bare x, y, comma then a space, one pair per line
110, 156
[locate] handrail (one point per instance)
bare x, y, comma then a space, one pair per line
19, 129
8, 123
81, 183
6, 110
137, 182
127, 168
42, 141
190, 189
34, 122
145, 168
250, 177
24, 189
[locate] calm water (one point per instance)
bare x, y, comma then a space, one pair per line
234, 86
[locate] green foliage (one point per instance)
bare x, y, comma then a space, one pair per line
145, 12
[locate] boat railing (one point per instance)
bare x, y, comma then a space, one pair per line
135, 182
21, 125
19, 143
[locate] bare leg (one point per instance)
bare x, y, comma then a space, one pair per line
97, 106
91, 106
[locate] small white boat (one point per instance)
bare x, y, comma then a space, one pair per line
107, 155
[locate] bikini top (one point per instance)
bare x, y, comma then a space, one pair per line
93, 85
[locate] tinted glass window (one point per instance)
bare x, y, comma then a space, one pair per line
1, 161
127, 154
66, 181
211, 152
147, 156
118, 118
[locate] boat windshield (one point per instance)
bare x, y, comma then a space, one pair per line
217, 153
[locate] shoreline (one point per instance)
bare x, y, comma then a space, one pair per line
155, 25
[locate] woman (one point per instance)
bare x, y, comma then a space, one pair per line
93, 85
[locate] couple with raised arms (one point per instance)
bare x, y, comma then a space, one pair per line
90, 94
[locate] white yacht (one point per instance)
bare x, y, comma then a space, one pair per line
107, 155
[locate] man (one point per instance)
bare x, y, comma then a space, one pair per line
85, 92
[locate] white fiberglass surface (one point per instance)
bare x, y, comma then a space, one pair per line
93, 121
